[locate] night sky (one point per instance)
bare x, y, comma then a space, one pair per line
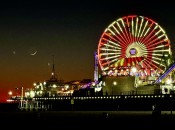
69, 31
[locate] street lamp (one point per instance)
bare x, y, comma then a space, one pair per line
10, 94
114, 84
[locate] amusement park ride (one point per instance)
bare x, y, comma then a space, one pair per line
136, 46
134, 56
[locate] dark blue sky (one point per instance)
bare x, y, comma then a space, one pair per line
69, 30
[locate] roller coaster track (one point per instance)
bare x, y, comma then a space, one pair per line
165, 74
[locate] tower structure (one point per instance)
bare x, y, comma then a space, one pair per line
53, 76
95, 67
53, 81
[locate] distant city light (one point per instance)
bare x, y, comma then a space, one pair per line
10, 92
32, 94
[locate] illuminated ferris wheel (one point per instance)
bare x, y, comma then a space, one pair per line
134, 41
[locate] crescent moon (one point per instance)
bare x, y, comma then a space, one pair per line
33, 53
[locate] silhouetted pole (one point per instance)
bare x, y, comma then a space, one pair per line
72, 103
114, 84
21, 97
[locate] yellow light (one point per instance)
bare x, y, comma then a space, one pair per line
10, 92
32, 94
54, 86
134, 69
114, 83
44, 83
168, 81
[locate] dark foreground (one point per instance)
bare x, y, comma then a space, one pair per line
87, 119
11, 117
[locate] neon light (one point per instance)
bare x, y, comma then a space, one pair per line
133, 36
